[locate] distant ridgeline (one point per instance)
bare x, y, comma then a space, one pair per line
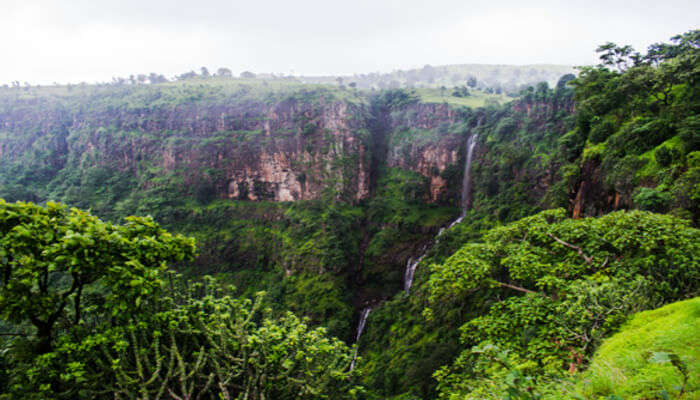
497, 79
320, 194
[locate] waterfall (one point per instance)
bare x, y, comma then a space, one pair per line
412, 264
467, 181
360, 327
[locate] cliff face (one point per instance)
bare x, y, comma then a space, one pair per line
282, 151
277, 150
287, 147
428, 139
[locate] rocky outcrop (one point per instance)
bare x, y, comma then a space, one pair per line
281, 151
428, 139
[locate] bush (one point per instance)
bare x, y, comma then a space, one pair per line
506, 127
552, 288
690, 132
601, 131
665, 155
650, 199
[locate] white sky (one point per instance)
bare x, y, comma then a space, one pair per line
42, 41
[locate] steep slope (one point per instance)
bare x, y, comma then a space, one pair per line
274, 180
280, 145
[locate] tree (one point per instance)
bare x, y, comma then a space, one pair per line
207, 344
684, 43
51, 255
471, 82
547, 290
224, 72
247, 75
428, 73
204, 72
620, 57
651, 199
564, 80
187, 75
154, 78
111, 323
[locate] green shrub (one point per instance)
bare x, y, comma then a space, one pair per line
600, 131
553, 288
665, 155
690, 132
650, 199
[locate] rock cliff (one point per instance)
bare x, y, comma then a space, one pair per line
278, 150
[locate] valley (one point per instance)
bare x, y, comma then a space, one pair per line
467, 243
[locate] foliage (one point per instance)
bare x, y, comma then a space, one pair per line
636, 104
652, 200
50, 256
511, 308
557, 288
110, 321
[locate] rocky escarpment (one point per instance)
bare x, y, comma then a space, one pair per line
281, 149
292, 146
429, 139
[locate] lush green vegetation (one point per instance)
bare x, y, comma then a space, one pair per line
535, 140
637, 125
528, 297
473, 99
655, 354
90, 310
551, 288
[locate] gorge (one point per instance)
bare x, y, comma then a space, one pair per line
434, 231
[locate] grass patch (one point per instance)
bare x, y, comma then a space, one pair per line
637, 362
474, 100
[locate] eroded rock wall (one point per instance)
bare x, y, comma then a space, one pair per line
281, 151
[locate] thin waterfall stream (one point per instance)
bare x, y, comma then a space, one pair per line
360, 327
412, 263
467, 180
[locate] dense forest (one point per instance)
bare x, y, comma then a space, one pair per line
223, 238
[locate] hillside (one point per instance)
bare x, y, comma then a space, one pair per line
469, 244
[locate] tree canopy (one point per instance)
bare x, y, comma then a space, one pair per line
89, 309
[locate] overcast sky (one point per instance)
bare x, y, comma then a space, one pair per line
43, 41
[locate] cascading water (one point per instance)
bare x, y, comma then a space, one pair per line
412, 264
360, 327
466, 180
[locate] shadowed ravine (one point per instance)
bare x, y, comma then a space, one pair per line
412, 264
